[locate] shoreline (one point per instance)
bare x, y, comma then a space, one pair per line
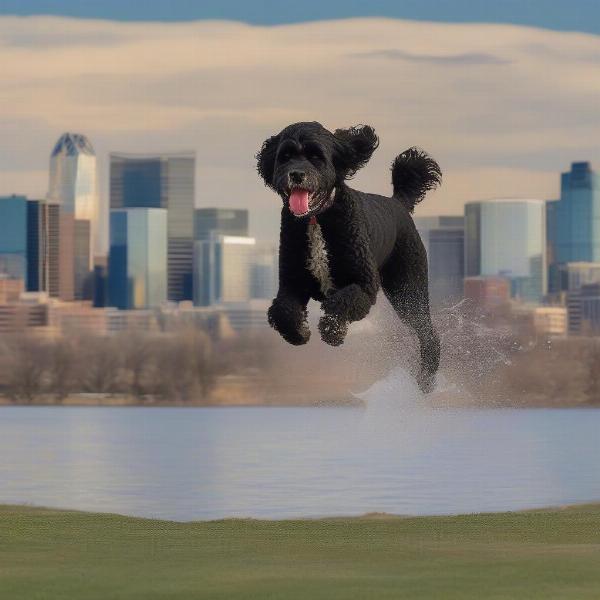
368, 516
440, 402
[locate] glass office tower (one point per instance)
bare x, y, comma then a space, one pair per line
264, 280
507, 238
161, 181
444, 239
137, 261
223, 221
223, 266
73, 186
573, 222
13, 237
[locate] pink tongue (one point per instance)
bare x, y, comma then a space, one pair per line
299, 201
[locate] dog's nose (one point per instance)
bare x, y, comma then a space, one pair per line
296, 176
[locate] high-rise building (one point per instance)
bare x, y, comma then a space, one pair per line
506, 238
573, 275
137, 262
263, 272
30, 248
58, 277
444, 240
161, 181
573, 222
220, 221
73, 186
36, 246
583, 308
223, 269
13, 236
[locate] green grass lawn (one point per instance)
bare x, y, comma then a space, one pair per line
47, 554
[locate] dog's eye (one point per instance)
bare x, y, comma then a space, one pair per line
313, 153
284, 156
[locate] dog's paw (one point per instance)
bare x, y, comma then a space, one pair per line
333, 330
290, 323
350, 303
298, 337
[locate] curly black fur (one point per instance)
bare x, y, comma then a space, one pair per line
414, 173
371, 240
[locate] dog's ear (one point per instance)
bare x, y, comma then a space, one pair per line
354, 148
265, 159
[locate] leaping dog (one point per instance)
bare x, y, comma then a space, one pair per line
338, 245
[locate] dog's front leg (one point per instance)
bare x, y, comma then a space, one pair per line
348, 304
287, 315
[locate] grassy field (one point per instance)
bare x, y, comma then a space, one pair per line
47, 555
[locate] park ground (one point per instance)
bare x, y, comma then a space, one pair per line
50, 555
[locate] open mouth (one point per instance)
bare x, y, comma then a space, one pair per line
302, 202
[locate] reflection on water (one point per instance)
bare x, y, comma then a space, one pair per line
204, 463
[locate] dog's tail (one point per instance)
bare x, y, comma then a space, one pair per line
414, 173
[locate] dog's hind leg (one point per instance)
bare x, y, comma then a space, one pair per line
409, 297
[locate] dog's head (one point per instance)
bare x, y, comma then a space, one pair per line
306, 162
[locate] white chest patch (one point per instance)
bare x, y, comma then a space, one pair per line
318, 261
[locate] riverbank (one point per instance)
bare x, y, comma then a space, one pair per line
548, 554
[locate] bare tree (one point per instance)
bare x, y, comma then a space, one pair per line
204, 365
101, 359
172, 376
62, 367
28, 365
137, 354
592, 362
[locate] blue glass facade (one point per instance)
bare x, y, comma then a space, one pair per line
444, 240
137, 262
573, 222
13, 236
34, 246
220, 221
163, 181
118, 285
506, 238
142, 181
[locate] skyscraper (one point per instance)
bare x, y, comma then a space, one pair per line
506, 238
73, 187
137, 263
263, 271
161, 181
223, 266
444, 239
573, 222
13, 237
59, 277
221, 221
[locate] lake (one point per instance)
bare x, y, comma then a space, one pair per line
207, 463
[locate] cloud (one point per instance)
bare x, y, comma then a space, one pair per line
502, 108
468, 58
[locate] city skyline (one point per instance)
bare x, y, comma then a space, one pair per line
501, 251
491, 114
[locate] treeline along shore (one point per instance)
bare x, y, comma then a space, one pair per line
499, 365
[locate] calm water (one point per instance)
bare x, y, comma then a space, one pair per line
205, 463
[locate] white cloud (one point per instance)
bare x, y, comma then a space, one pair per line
502, 108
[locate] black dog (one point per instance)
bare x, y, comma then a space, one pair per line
338, 244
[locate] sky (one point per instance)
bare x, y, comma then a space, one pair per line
576, 15
503, 108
